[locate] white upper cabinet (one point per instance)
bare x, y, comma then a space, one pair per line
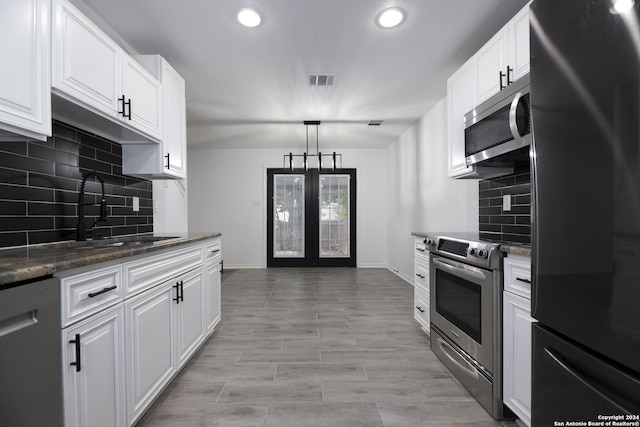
86, 63
459, 102
166, 160
91, 71
25, 97
519, 51
503, 59
144, 97
490, 67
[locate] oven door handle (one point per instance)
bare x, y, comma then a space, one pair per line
461, 270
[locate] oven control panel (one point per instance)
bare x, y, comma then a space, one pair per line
476, 252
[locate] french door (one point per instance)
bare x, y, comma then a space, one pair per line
311, 218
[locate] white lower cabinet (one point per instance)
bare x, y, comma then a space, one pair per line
94, 374
124, 340
189, 315
421, 284
517, 345
150, 355
212, 296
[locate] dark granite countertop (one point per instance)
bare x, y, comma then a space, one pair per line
509, 248
25, 263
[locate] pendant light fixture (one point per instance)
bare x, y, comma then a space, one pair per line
306, 156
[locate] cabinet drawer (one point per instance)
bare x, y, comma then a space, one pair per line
421, 308
212, 251
153, 270
87, 293
517, 276
421, 275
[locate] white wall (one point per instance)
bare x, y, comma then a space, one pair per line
227, 193
421, 196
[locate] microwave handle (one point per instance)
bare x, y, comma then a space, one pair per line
513, 125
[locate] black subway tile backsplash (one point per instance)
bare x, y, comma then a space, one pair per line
512, 226
40, 181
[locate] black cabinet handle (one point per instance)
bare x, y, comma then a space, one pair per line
103, 291
221, 267
77, 363
509, 75
420, 275
420, 309
215, 251
421, 250
168, 164
181, 291
501, 77
125, 104
177, 298
520, 279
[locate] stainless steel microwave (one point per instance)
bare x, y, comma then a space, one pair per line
495, 129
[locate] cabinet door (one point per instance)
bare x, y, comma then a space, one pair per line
87, 65
189, 315
150, 355
143, 93
25, 95
519, 43
93, 369
459, 103
517, 355
488, 62
175, 129
212, 297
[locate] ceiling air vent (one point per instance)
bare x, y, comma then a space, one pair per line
375, 122
322, 79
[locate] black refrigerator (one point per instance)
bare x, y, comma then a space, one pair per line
585, 108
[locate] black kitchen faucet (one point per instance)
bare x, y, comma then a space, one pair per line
81, 231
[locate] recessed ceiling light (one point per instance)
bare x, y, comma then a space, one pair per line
622, 6
249, 17
391, 17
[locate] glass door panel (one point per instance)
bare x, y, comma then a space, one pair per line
288, 216
334, 216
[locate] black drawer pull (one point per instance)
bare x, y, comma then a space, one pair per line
420, 309
103, 291
520, 279
420, 275
215, 251
177, 298
168, 163
77, 363
421, 250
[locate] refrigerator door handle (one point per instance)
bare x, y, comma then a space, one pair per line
575, 374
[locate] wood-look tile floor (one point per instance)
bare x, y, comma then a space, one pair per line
316, 347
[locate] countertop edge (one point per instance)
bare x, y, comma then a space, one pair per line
35, 262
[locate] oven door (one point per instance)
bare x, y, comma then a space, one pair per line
462, 307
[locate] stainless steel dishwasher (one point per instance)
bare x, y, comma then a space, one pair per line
30, 355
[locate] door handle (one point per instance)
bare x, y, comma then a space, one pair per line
509, 73
501, 77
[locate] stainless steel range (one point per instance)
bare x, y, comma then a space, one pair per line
466, 313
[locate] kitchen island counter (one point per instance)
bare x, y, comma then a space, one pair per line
27, 263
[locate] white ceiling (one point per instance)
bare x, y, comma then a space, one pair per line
248, 87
